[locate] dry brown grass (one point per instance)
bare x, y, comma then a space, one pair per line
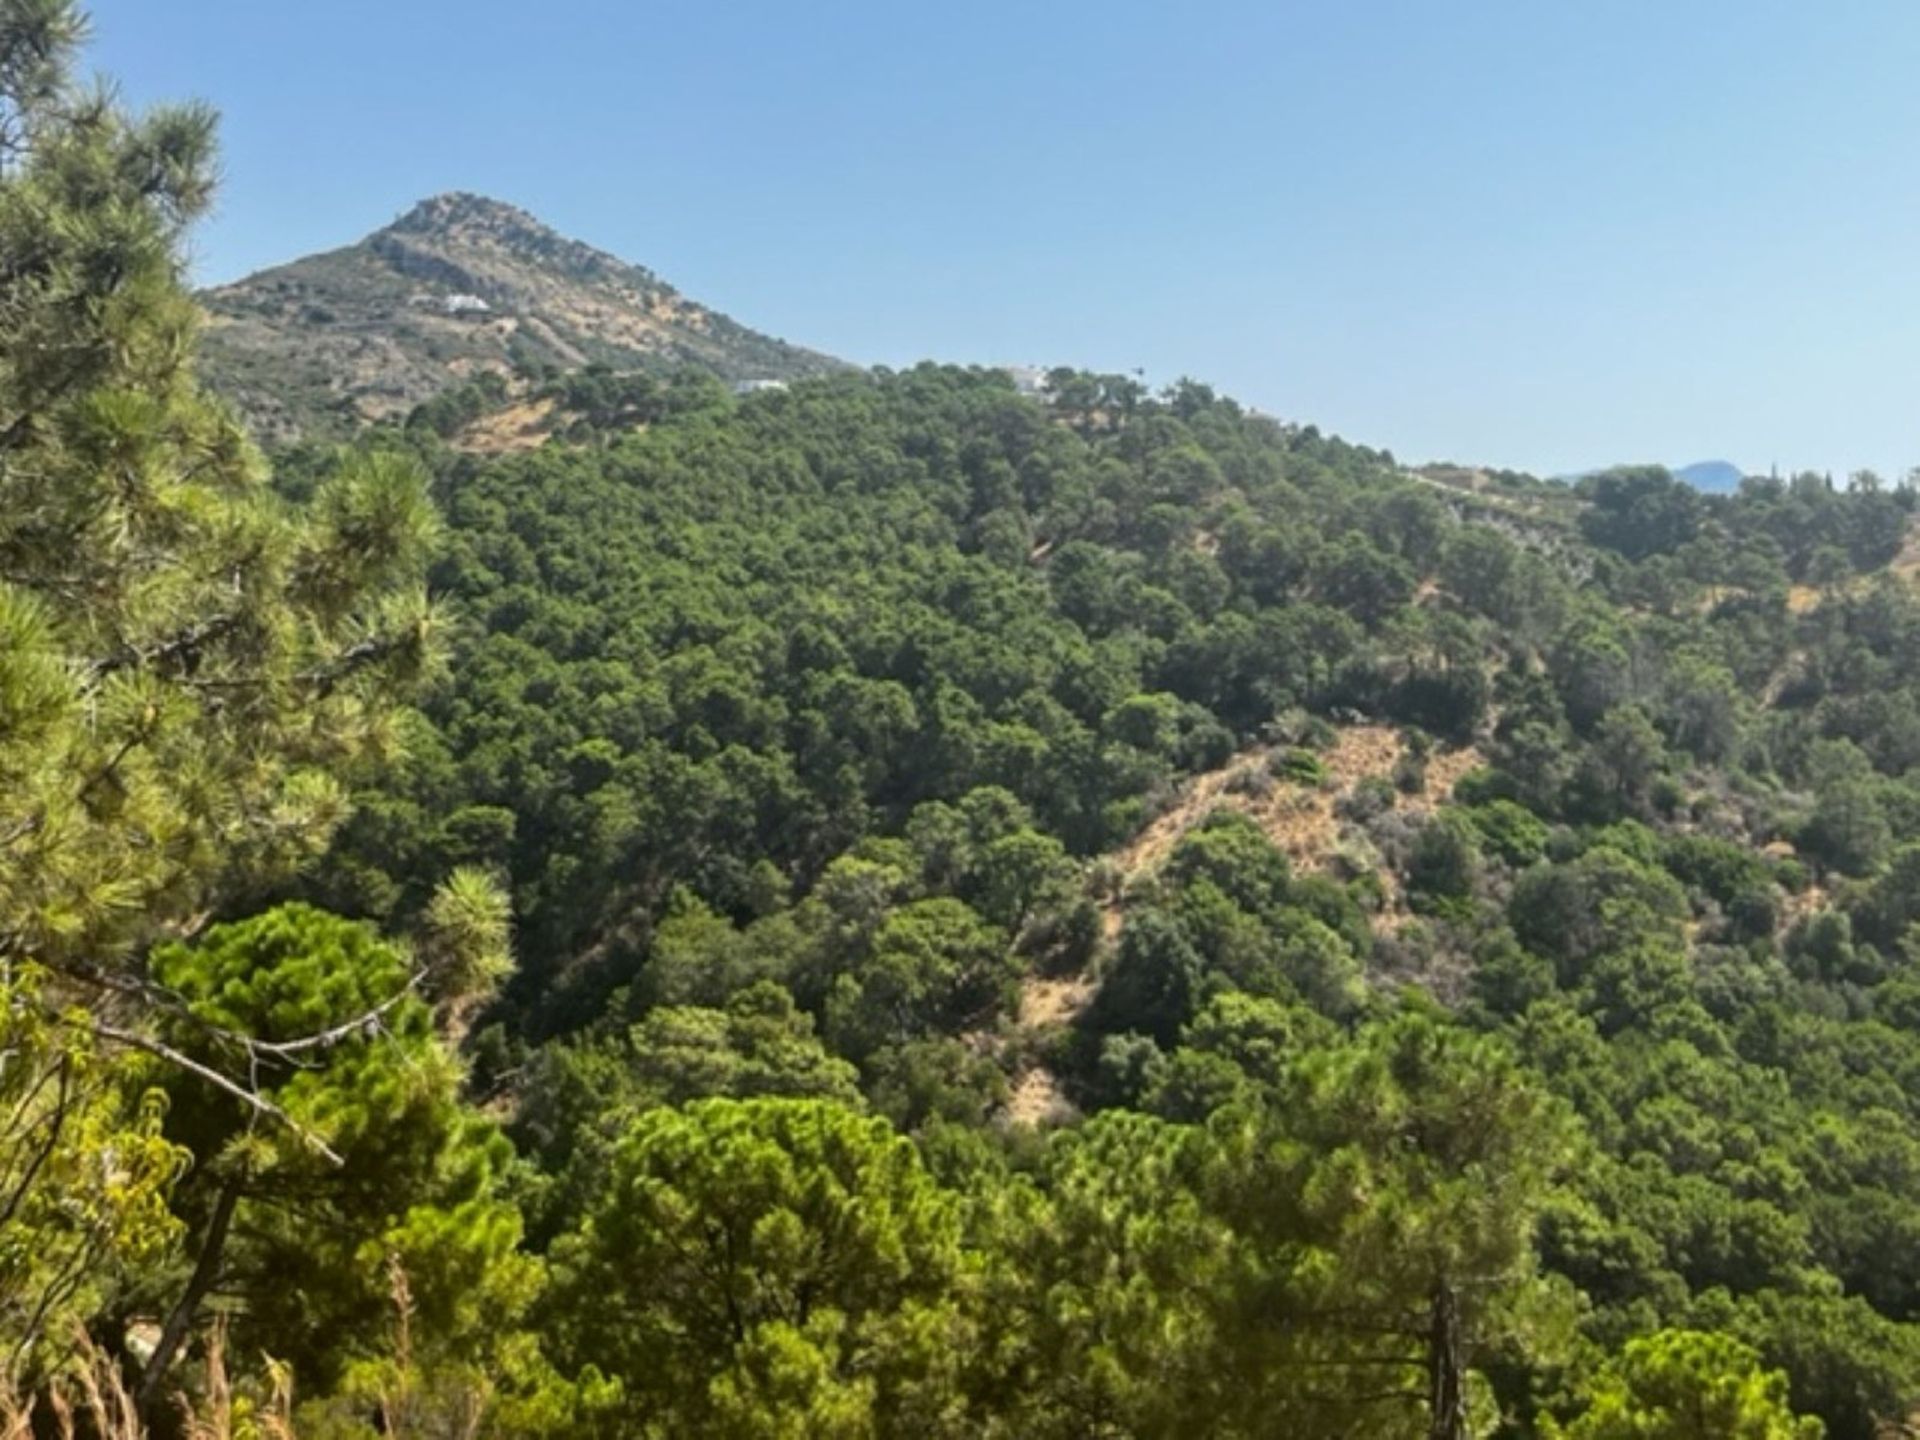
523, 426
1047, 1003
89, 1398
1037, 1100
1304, 822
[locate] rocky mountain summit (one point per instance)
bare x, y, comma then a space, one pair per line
458, 286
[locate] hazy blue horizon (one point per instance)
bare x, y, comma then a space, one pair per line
1495, 232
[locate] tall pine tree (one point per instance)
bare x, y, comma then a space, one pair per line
186, 662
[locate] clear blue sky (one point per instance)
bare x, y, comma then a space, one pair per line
1522, 232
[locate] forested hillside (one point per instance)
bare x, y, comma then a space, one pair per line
814, 732
892, 907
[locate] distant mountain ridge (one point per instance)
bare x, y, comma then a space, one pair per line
1712, 477
458, 286
1716, 477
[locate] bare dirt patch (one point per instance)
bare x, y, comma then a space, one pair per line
1038, 1100
1050, 1002
1304, 821
1905, 566
1802, 904
1446, 770
1803, 598
519, 427
1907, 563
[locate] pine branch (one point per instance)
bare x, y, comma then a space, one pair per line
177, 1006
1374, 1398
64, 1070
320, 679
367, 652
252, 1099
185, 646
364, 1023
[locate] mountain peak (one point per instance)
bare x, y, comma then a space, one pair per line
478, 223
454, 207
459, 286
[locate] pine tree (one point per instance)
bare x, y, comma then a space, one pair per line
1687, 1385
185, 662
378, 1164
768, 1267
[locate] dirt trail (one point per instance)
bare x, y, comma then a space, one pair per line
1302, 820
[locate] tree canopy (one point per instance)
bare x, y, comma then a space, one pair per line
894, 905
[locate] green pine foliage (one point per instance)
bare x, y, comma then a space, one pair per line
1684, 1385
851, 943
186, 663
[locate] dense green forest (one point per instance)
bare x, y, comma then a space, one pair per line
892, 907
